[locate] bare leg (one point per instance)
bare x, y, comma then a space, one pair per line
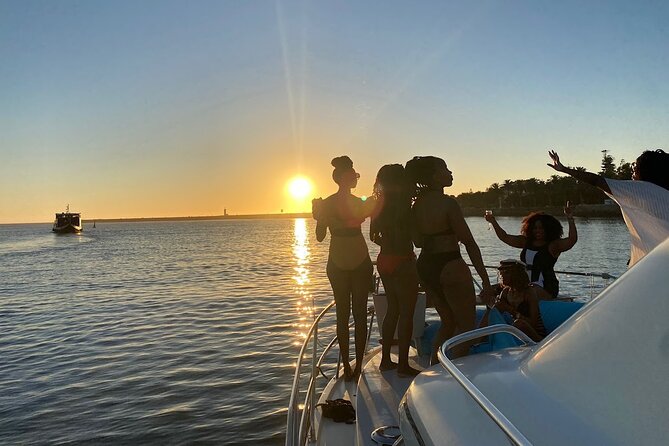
341, 288
407, 292
458, 288
389, 323
527, 328
362, 281
445, 331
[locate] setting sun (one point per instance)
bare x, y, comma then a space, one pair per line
299, 187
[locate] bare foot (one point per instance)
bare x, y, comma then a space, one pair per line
387, 365
407, 371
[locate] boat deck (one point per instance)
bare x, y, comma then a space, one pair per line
376, 398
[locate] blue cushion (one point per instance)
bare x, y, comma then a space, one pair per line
555, 312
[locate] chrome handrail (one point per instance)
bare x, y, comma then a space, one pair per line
488, 407
296, 433
293, 405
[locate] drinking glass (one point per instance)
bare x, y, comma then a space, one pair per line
489, 212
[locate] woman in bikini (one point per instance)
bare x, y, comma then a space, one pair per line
438, 226
541, 242
349, 267
391, 230
520, 298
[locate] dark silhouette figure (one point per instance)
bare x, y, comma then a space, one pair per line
438, 226
349, 267
391, 229
644, 201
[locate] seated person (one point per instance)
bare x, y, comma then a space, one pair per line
520, 298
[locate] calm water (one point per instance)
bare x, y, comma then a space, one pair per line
181, 332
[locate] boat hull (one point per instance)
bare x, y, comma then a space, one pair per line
67, 229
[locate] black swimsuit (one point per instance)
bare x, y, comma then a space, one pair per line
346, 232
430, 264
542, 268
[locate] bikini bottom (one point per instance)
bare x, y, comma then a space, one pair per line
430, 266
389, 264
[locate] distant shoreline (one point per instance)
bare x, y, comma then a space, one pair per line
581, 210
585, 211
200, 217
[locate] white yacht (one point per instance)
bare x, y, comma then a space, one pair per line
599, 378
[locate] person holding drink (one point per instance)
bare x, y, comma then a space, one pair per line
541, 243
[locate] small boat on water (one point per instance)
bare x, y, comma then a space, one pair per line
67, 222
599, 377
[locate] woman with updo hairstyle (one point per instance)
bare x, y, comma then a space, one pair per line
438, 227
541, 242
349, 267
390, 228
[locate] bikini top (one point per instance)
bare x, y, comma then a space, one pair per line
430, 237
346, 232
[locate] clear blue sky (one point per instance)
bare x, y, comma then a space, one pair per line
163, 108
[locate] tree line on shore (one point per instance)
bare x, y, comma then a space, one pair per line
555, 191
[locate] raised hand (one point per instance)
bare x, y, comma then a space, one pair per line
557, 165
317, 208
568, 210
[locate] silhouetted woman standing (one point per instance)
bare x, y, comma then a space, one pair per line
391, 230
438, 227
349, 267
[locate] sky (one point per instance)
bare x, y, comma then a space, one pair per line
175, 108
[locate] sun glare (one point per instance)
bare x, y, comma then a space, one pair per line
299, 187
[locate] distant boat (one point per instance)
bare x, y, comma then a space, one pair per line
67, 222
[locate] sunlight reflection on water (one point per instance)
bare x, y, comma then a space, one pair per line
183, 332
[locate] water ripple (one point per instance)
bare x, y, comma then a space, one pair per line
176, 332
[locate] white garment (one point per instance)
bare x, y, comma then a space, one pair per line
645, 208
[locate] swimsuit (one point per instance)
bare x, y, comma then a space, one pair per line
430, 264
346, 232
388, 264
540, 264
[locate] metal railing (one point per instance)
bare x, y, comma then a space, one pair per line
605, 276
299, 431
488, 407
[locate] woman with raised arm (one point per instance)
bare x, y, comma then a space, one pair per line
349, 267
541, 242
644, 201
391, 230
438, 227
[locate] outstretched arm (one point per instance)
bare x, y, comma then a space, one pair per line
565, 244
516, 241
581, 175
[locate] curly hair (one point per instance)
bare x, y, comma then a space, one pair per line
420, 170
653, 166
393, 190
341, 165
552, 227
514, 276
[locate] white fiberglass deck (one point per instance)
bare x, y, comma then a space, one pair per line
376, 398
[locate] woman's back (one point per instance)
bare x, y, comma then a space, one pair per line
433, 228
344, 213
